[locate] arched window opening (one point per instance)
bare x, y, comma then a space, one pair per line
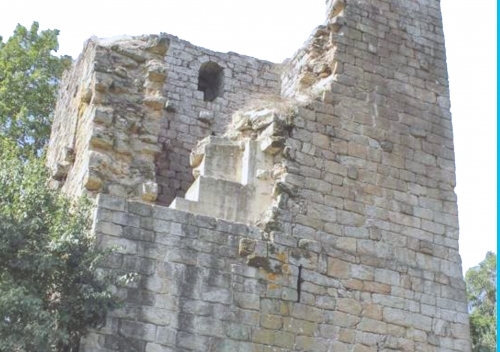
211, 80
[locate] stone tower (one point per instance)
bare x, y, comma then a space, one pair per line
303, 206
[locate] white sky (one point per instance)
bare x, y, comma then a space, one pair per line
274, 30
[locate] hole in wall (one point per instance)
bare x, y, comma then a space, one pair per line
211, 80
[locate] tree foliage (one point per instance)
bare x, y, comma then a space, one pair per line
481, 294
29, 77
51, 291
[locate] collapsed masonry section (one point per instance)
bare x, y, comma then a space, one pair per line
225, 186
132, 109
237, 176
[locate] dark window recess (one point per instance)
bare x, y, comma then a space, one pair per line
211, 80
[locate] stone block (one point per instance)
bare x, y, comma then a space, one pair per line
108, 228
177, 229
111, 203
167, 300
338, 268
155, 102
209, 326
139, 265
191, 341
164, 213
184, 256
325, 302
126, 219
376, 287
154, 347
135, 233
272, 145
206, 116
387, 277
349, 305
119, 343
161, 226
273, 322
263, 336
305, 312
237, 331
246, 247
157, 285
372, 326
246, 300
372, 311
298, 326
361, 348
307, 343
139, 208
283, 339
396, 317
216, 295
433, 227
137, 330
350, 218
149, 191
244, 270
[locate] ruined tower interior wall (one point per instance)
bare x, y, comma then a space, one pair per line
359, 248
245, 81
130, 112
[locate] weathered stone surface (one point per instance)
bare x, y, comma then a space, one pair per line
320, 213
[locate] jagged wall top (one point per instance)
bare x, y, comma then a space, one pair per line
359, 249
122, 127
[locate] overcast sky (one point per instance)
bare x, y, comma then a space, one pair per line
274, 30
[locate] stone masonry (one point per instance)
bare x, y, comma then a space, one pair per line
303, 206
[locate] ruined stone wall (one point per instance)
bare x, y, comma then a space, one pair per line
245, 80
206, 284
194, 292
373, 166
72, 126
130, 112
352, 240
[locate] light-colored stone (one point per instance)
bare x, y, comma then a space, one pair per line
311, 202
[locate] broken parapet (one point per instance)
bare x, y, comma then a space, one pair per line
132, 109
236, 175
313, 68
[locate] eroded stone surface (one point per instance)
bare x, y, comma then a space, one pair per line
318, 207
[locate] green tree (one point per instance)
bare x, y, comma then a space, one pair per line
481, 294
51, 290
29, 77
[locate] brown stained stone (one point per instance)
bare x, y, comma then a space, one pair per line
353, 284
349, 305
376, 287
92, 181
372, 311
260, 262
338, 268
246, 247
